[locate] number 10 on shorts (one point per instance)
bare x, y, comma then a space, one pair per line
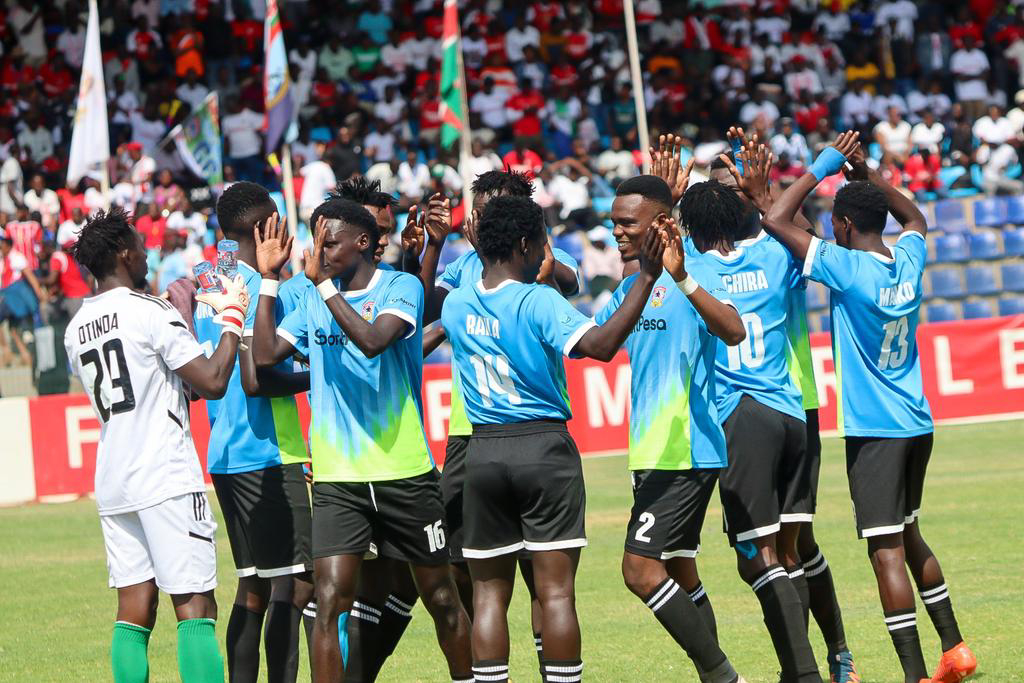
435, 536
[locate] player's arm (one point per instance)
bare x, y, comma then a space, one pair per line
566, 279
272, 251
269, 382
903, 210
779, 220
209, 376
432, 339
432, 228
665, 163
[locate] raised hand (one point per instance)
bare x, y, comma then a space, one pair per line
438, 222
673, 257
414, 234
651, 252
469, 227
273, 247
753, 180
665, 164
546, 275
315, 270
858, 166
832, 159
847, 142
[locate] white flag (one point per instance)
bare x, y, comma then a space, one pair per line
90, 144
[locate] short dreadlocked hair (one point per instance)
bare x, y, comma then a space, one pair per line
505, 221
506, 183
362, 191
711, 213
650, 187
104, 234
348, 212
863, 204
242, 206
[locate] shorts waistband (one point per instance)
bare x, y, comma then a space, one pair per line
519, 428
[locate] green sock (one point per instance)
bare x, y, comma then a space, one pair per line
128, 653
199, 659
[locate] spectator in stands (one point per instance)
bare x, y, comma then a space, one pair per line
413, 178
519, 37
523, 159
933, 48
759, 107
970, 68
928, 133
602, 265
893, 135
243, 142
42, 201
35, 138
569, 189
11, 181
922, 171
64, 279
489, 104
318, 178
789, 141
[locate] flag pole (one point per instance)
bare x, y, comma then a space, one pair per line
466, 136
288, 185
638, 85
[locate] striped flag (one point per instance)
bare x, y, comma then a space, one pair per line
452, 86
277, 93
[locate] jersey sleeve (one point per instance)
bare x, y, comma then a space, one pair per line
709, 280
294, 328
404, 300
602, 316
171, 339
451, 277
913, 244
253, 286
565, 259
556, 321
831, 265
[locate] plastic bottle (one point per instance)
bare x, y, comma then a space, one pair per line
206, 277
227, 258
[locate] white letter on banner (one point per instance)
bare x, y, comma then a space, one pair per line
824, 379
1011, 358
77, 436
944, 370
604, 401
438, 411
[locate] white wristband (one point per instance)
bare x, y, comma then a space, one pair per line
269, 287
689, 285
326, 289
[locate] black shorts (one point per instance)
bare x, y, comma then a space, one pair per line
404, 518
453, 478
886, 481
524, 489
814, 454
668, 512
266, 513
767, 481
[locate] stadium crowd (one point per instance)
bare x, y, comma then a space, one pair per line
933, 86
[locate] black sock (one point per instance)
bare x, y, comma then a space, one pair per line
394, 619
243, 644
940, 609
281, 641
562, 671
363, 637
538, 644
782, 615
676, 612
799, 580
902, 625
824, 605
490, 670
703, 603
308, 619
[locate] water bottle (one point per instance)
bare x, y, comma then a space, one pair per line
206, 276
227, 258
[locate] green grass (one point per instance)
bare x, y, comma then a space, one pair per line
56, 612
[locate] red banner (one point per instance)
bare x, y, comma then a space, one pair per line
972, 370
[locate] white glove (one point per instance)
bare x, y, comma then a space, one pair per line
231, 303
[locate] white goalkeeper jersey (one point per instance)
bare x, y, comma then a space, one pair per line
125, 346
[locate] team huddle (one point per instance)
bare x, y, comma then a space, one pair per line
722, 392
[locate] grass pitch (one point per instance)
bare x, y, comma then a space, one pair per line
56, 612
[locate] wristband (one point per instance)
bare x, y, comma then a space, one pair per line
688, 286
326, 289
737, 154
231, 319
829, 162
269, 287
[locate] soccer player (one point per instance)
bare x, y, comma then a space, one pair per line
523, 479
676, 444
255, 458
805, 563
132, 353
884, 415
374, 479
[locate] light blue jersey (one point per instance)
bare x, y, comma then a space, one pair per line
874, 305
367, 412
247, 433
508, 344
468, 268
759, 276
673, 424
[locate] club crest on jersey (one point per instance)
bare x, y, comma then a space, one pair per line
367, 311
658, 296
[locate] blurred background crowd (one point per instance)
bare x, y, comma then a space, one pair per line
936, 87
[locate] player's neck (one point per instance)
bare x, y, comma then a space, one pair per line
113, 281
496, 273
247, 252
869, 242
360, 277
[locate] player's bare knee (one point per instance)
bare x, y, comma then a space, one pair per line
253, 593
641, 575
302, 590
332, 600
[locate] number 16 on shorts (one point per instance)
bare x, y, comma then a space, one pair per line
435, 536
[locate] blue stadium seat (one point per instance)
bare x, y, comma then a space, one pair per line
941, 312
990, 213
825, 322
1013, 277
951, 249
817, 296
1011, 305
984, 245
571, 243
949, 216
1015, 210
1013, 241
946, 284
949, 174
982, 308
602, 204
981, 281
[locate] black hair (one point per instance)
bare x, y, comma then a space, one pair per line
104, 234
718, 165
650, 187
242, 206
711, 213
348, 212
863, 204
507, 220
361, 191
507, 183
